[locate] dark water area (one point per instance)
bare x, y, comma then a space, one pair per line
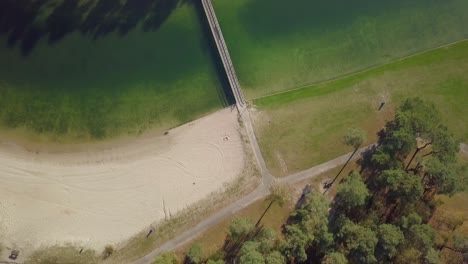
282, 18
85, 70
25, 22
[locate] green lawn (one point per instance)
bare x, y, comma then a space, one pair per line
277, 45
302, 128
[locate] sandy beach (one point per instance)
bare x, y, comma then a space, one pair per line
99, 197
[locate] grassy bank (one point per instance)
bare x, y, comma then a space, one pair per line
302, 128
277, 46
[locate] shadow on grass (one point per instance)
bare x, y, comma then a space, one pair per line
25, 22
329, 185
232, 247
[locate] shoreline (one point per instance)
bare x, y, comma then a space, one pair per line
34, 143
98, 197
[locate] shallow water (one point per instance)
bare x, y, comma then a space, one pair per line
115, 75
83, 88
278, 45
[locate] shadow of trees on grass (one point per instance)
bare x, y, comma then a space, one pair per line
25, 22
232, 246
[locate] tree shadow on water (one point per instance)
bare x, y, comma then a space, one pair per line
224, 88
25, 22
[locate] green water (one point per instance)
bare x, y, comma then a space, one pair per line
84, 89
80, 88
278, 45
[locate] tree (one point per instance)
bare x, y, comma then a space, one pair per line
421, 237
408, 221
461, 244
253, 257
219, 261
296, 243
437, 175
444, 145
432, 257
249, 254
390, 237
312, 219
278, 194
408, 255
401, 185
418, 115
334, 258
383, 160
274, 257
268, 240
195, 254
397, 143
441, 178
167, 258
354, 137
360, 242
240, 227
413, 119
352, 192
422, 120
217, 257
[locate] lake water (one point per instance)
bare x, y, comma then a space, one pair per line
107, 83
278, 45
109, 67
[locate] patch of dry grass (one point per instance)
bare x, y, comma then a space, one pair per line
63, 254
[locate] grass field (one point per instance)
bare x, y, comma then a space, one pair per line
82, 89
302, 128
277, 46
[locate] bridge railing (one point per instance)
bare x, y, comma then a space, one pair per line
223, 52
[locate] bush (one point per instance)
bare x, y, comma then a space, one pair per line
195, 254
167, 258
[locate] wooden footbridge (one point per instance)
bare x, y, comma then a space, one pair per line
224, 53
